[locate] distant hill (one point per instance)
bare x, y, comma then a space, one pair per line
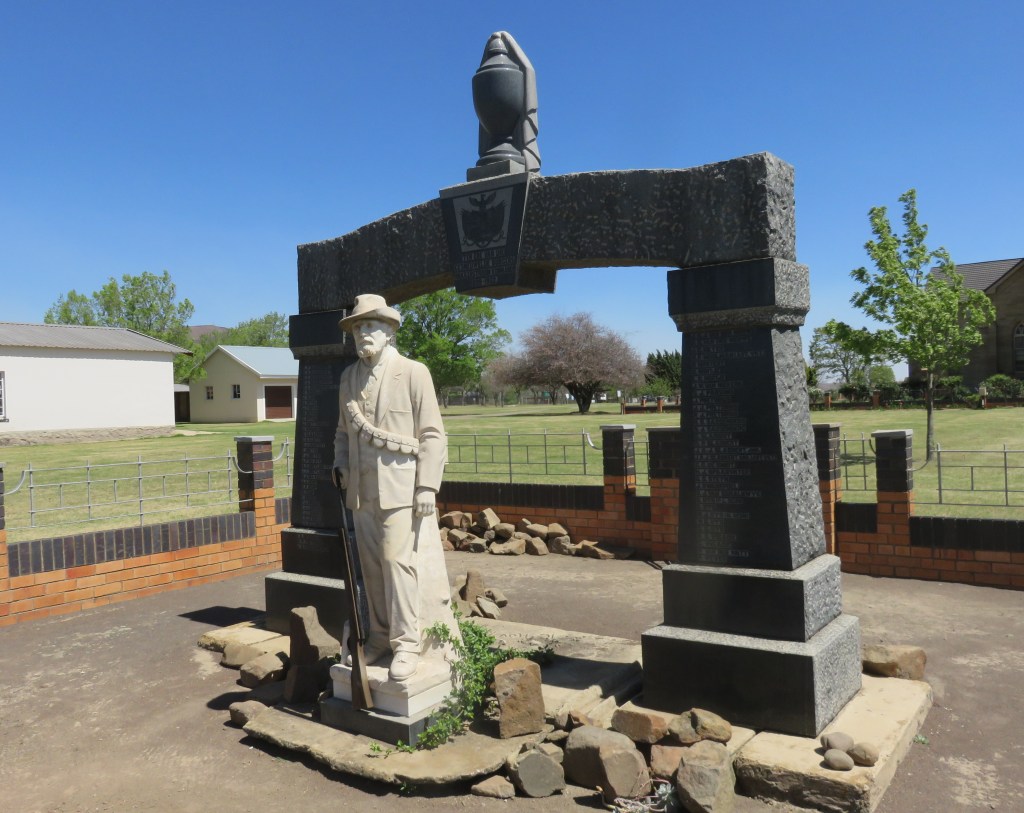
198, 331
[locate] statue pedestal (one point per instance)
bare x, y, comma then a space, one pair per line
402, 709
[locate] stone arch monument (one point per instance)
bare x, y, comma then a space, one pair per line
753, 623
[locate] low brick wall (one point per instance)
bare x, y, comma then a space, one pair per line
885, 538
611, 513
44, 577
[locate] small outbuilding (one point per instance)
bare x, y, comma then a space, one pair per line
87, 380
245, 385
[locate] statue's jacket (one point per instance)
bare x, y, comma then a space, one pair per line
406, 406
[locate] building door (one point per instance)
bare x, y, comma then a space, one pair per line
279, 402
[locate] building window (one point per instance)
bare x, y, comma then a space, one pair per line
209, 393
236, 391
1018, 351
3, 398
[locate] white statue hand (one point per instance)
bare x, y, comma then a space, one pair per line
426, 502
339, 479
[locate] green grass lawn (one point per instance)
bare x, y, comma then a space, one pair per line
540, 433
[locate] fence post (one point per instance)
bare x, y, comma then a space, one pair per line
256, 478
664, 446
894, 474
830, 482
619, 465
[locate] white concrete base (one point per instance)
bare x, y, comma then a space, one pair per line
427, 688
886, 712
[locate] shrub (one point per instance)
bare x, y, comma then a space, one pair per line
1004, 386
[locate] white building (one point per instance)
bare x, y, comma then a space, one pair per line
67, 377
245, 384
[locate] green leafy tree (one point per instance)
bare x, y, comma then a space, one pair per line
664, 372
269, 330
454, 335
72, 308
833, 357
929, 316
581, 355
146, 303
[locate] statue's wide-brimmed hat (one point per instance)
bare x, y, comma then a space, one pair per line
371, 306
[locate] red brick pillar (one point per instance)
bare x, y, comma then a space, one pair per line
894, 474
256, 479
4, 572
619, 467
664, 448
830, 481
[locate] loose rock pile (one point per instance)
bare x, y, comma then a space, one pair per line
485, 532
638, 749
299, 675
473, 598
842, 753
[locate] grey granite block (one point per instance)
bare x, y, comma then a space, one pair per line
285, 591
780, 604
382, 726
734, 210
785, 686
313, 552
748, 480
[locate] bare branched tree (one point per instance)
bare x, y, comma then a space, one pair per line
580, 355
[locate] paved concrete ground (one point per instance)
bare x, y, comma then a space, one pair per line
116, 709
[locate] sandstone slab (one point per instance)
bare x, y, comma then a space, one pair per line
245, 710
784, 768
495, 787
893, 660
244, 633
467, 757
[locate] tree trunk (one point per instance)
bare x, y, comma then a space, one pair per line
929, 406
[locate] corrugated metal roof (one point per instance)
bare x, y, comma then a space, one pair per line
80, 337
273, 362
982, 276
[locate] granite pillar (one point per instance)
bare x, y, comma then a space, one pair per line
753, 625
311, 556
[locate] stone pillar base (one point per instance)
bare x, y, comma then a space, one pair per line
392, 728
790, 605
786, 686
402, 709
431, 684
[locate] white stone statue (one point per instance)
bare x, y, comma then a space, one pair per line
389, 455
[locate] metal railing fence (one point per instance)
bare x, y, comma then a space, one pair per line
955, 477
523, 457
111, 493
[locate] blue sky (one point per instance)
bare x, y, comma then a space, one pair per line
210, 138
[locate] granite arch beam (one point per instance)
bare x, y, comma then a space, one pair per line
735, 210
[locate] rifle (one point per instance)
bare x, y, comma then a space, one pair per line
358, 614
